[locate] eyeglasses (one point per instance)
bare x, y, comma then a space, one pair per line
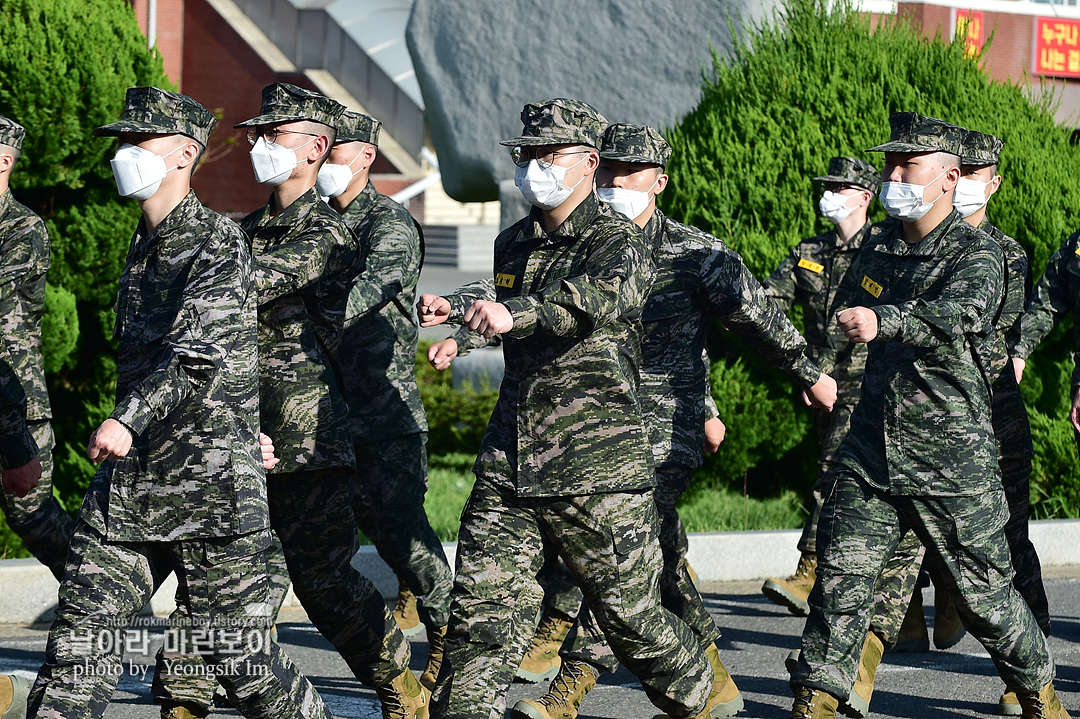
271, 134
544, 156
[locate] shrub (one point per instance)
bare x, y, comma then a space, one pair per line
456, 418
813, 83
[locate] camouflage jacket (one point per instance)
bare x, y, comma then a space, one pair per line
810, 277
24, 261
17, 446
1010, 415
378, 348
698, 277
923, 422
1056, 295
568, 420
305, 261
186, 387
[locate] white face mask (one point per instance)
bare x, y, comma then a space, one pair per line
335, 179
629, 202
833, 208
273, 163
969, 196
904, 201
544, 188
138, 172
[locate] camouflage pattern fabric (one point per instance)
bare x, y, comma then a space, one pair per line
964, 535
609, 543
635, 143
852, 171
567, 420
108, 583
42, 524
282, 102
981, 149
921, 456
38, 519
1056, 295
157, 111
185, 387
358, 127
378, 346
305, 261
559, 122
389, 509
17, 446
561, 592
810, 277
912, 132
12, 133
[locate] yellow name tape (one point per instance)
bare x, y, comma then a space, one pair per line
812, 266
872, 287
502, 280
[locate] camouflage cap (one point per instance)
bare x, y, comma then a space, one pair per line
11, 133
560, 122
912, 132
357, 127
981, 149
282, 102
852, 171
635, 143
160, 112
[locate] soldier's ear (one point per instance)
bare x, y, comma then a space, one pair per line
661, 182
6, 162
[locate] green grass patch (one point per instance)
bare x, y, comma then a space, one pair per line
707, 509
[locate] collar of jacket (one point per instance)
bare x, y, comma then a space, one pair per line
574, 226
893, 243
178, 219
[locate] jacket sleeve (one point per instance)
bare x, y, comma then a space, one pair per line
392, 261
711, 410
1050, 301
201, 335
463, 298
780, 285
731, 294
617, 275
965, 305
292, 266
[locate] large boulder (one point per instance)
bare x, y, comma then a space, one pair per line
480, 61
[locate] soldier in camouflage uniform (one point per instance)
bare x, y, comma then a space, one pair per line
37, 518
180, 486
697, 278
921, 454
377, 357
809, 276
565, 456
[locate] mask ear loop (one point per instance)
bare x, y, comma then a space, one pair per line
571, 168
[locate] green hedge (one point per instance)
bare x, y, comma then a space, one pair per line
813, 83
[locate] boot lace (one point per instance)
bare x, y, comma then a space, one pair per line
804, 700
564, 686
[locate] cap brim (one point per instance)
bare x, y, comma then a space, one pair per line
625, 157
124, 126
978, 161
272, 119
536, 141
841, 181
905, 147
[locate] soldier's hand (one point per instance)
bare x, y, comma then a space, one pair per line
441, 354
1074, 413
1018, 368
266, 446
432, 310
714, 434
20, 480
489, 318
823, 394
111, 440
859, 324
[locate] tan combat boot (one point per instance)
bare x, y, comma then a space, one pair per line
725, 699
542, 661
563, 699
1043, 704
858, 702
948, 629
13, 693
404, 698
176, 711
405, 612
813, 704
1008, 704
913, 637
436, 646
794, 591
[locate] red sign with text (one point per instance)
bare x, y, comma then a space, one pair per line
1057, 47
969, 28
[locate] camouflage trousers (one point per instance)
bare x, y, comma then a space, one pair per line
964, 535
41, 523
389, 509
832, 428
609, 543
677, 591
898, 579
223, 605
